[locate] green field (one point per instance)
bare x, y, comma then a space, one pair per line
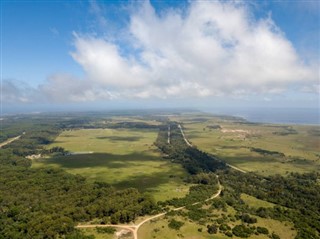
121, 157
159, 229
233, 140
93, 231
255, 202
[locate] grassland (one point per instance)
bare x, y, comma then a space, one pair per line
121, 157
255, 202
238, 143
93, 231
190, 230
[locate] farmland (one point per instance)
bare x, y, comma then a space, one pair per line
120, 157
70, 161
263, 148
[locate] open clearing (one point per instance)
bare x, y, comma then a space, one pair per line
159, 229
235, 142
121, 157
255, 202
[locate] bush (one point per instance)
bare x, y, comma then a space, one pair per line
246, 218
212, 229
242, 231
274, 236
174, 224
224, 227
262, 230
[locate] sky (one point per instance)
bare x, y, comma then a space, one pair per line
63, 55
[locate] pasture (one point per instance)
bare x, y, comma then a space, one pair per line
193, 230
263, 148
120, 157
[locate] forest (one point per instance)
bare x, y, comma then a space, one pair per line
48, 203
297, 196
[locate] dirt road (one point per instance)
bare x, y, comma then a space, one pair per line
10, 140
135, 227
184, 137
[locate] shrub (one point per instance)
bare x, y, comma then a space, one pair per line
174, 224
262, 230
212, 229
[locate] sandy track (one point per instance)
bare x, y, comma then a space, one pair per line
10, 141
135, 227
184, 137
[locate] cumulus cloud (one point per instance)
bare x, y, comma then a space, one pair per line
215, 48
212, 48
13, 91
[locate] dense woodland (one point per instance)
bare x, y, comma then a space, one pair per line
47, 203
192, 159
297, 196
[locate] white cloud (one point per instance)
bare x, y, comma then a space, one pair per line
213, 48
13, 91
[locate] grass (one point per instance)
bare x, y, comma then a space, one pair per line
233, 143
255, 202
93, 231
159, 228
121, 157
115, 141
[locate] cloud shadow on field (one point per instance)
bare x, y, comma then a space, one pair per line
121, 138
101, 160
132, 169
147, 182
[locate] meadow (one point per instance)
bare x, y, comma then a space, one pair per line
193, 230
120, 157
263, 148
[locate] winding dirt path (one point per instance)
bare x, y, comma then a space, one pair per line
135, 227
10, 140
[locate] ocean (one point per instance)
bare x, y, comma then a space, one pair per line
308, 116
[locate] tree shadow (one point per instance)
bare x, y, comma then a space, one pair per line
93, 160
121, 138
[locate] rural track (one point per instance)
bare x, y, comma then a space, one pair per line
184, 137
236, 168
190, 145
10, 140
135, 227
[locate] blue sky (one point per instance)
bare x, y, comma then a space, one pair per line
110, 54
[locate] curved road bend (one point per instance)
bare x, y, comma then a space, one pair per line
135, 227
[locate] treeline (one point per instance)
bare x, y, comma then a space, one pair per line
197, 193
191, 158
267, 152
298, 197
30, 142
48, 203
